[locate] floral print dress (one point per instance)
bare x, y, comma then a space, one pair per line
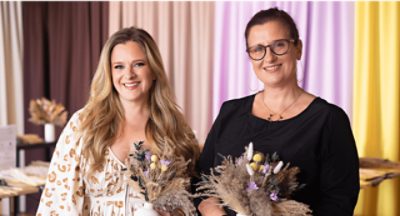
70, 191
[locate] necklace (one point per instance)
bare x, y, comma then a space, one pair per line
280, 117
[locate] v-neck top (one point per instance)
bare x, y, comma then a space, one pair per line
69, 190
319, 141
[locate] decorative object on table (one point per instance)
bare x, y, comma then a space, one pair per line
29, 139
49, 132
8, 146
34, 174
255, 185
375, 170
49, 114
24, 180
163, 180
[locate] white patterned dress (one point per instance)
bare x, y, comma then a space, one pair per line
69, 191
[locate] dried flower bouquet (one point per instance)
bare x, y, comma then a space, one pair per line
44, 111
163, 179
255, 185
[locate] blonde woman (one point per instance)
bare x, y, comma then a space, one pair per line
130, 101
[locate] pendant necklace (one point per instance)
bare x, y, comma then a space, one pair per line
280, 117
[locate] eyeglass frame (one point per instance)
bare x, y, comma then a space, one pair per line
269, 45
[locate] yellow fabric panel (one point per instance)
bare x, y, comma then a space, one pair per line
376, 98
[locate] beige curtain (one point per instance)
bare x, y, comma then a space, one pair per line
11, 87
183, 33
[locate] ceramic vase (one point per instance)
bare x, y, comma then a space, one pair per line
49, 132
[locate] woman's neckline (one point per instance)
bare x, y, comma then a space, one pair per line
116, 158
250, 107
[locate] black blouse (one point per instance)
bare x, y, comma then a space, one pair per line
319, 141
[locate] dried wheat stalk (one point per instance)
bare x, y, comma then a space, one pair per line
44, 111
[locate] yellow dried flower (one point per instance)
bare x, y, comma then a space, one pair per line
261, 168
153, 166
164, 168
255, 166
259, 157
154, 158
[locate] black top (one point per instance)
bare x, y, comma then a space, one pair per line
319, 141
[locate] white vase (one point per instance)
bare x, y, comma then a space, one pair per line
49, 132
146, 210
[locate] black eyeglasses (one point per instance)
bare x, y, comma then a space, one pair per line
278, 47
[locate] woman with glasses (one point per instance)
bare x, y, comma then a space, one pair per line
301, 128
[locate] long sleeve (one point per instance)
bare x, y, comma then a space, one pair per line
207, 156
206, 160
340, 167
319, 141
64, 190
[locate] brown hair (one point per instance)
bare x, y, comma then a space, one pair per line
273, 14
103, 113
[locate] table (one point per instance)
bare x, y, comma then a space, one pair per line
48, 147
15, 189
25, 189
375, 170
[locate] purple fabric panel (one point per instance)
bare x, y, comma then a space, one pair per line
328, 52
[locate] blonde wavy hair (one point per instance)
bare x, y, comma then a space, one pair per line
103, 113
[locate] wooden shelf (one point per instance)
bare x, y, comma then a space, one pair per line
48, 147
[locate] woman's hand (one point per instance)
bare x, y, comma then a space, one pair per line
211, 207
163, 213
176, 212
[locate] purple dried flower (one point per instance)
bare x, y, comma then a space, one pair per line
165, 162
147, 156
273, 196
266, 168
252, 186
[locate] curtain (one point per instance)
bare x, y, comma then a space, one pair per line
376, 98
350, 57
326, 29
183, 32
11, 52
62, 44
11, 88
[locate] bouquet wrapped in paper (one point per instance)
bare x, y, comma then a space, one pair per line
44, 111
163, 180
255, 185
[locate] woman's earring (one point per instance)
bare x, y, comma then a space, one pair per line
300, 80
